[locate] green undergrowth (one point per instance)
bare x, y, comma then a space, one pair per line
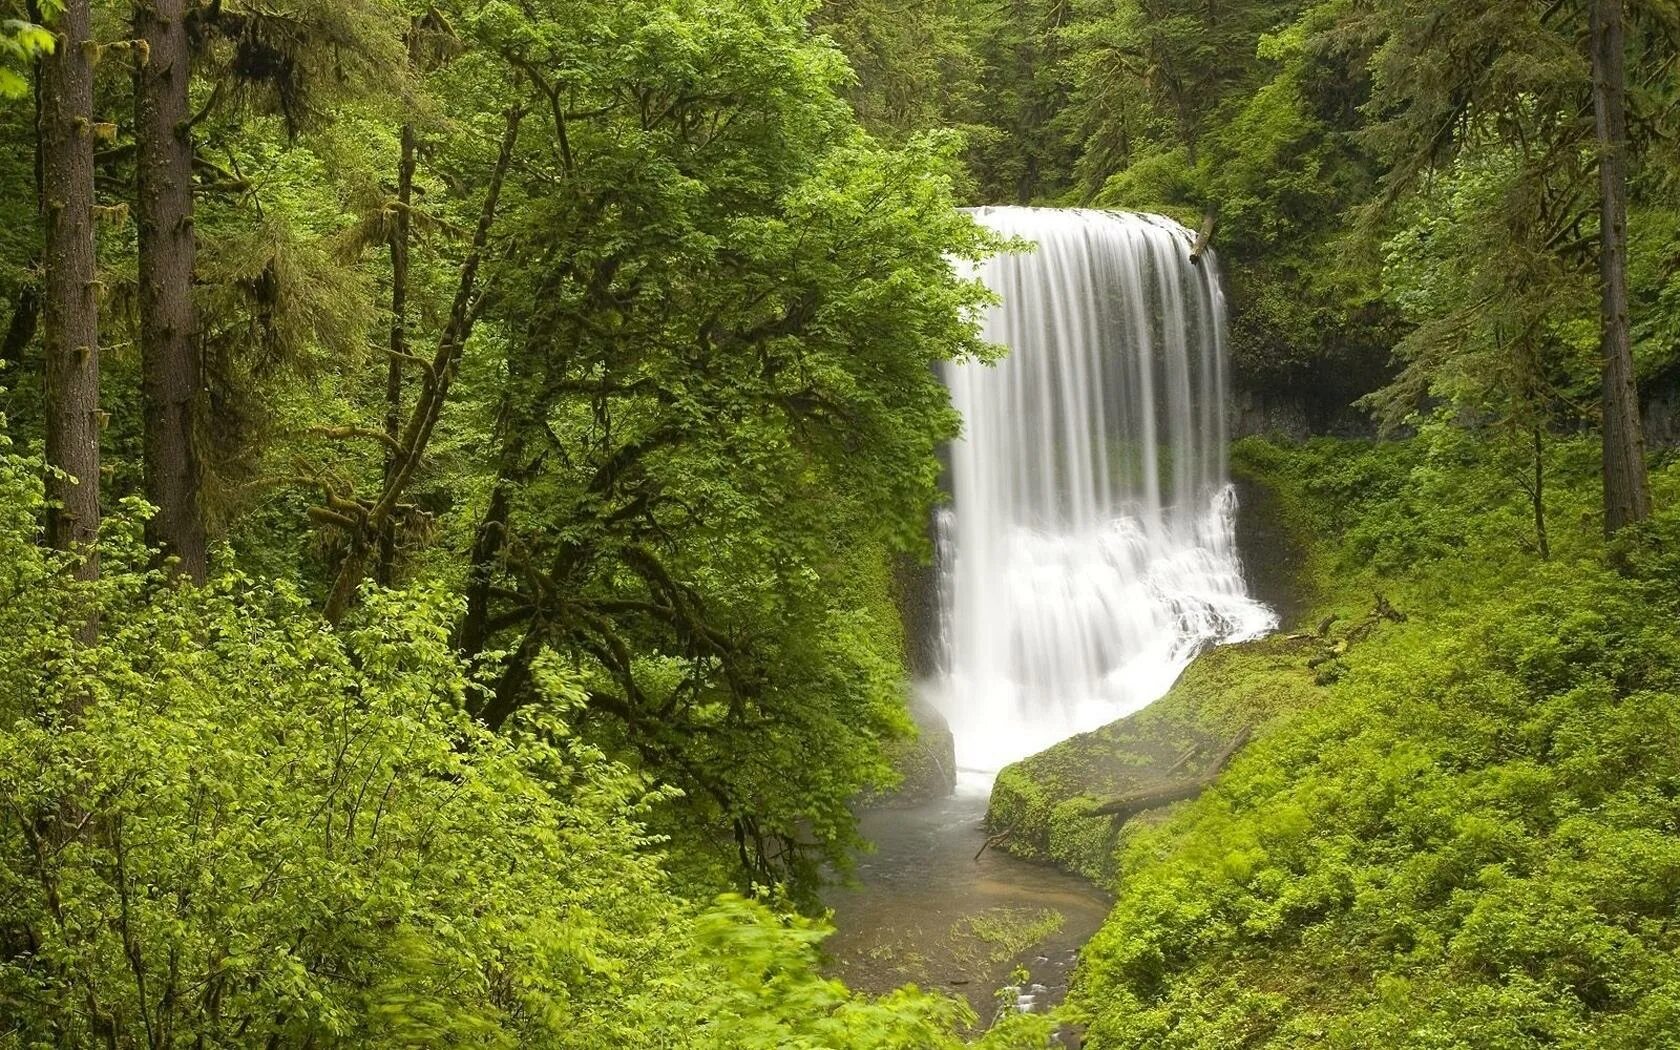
227, 825
1462, 830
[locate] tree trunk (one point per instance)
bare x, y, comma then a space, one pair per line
70, 292
169, 364
1204, 236
1154, 795
399, 340
1627, 495
1539, 496
474, 632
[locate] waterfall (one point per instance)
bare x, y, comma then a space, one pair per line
1088, 551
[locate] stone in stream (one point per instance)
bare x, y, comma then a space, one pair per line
928, 763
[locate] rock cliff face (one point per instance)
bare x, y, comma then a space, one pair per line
1274, 557
1319, 402
916, 592
1301, 406
1662, 412
928, 763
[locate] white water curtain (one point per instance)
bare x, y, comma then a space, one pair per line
1088, 552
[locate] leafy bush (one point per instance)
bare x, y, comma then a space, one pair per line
223, 823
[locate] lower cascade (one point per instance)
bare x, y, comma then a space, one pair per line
1088, 553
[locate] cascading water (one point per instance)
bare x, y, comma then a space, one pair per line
1088, 553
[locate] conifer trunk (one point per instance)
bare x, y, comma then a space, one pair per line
1627, 495
400, 231
70, 292
1542, 543
169, 362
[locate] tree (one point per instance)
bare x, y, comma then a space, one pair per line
369, 522
916, 67
167, 251
402, 226
1021, 153
1458, 87
71, 288
715, 414
1627, 494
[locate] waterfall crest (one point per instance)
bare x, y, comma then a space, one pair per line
1088, 552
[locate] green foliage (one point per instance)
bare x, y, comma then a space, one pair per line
226, 822
1469, 841
914, 69
21, 42
995, 70
1006, 932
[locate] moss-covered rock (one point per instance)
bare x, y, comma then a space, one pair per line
1276, 558
1042, 801
927, 762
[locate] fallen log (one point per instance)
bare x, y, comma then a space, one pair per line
1204, 236
1128, 805
993, 841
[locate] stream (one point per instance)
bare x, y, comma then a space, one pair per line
925, 911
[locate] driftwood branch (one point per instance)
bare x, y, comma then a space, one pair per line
993, 841
1210, 220
1184, 759
1135, 802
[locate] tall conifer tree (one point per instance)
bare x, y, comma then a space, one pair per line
1627, 493
71, 289
169, 354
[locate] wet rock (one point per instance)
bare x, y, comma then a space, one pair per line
928, 763
1273, 556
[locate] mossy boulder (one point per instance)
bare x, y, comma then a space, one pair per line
927, 762
1042, 801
